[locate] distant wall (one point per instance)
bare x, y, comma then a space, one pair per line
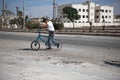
78, 25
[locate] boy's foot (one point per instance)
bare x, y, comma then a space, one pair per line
58, 45
49, 48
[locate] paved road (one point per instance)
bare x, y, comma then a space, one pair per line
92, 44
77, 40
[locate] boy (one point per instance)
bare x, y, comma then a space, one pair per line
51, 31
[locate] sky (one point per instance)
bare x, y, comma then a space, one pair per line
37, 8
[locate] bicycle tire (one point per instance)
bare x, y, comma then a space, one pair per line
35, 45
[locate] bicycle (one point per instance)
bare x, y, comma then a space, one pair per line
35, 45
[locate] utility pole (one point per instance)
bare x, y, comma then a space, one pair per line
54, 10
3, 8
17, 11
3, 13
23, 15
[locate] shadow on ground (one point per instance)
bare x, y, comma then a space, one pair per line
29, 49
42, 49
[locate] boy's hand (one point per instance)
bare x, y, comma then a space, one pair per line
41, 24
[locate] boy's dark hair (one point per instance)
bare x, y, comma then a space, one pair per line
45, 19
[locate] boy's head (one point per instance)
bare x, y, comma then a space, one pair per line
45, 20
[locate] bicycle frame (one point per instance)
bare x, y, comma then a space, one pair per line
40, 38
45, 41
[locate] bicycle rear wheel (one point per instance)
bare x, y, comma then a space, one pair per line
35, 45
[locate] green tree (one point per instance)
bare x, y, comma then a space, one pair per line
71, 14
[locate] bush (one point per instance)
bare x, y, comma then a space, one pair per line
31, 25
58, 26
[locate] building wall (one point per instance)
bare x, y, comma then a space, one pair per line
107, 14
83, 12
70, 25
89, 12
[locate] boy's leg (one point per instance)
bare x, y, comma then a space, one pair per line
53, 41
49, 38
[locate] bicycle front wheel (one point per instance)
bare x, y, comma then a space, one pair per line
35, 45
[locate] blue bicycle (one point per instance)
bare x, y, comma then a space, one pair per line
35, 45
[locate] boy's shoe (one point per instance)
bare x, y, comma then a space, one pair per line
58, 45
49, 48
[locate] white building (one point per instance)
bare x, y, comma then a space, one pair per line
89, 12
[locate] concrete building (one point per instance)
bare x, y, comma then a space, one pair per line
98, 15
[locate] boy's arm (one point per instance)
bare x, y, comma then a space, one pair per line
43, 25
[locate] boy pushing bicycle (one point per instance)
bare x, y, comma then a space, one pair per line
51, 31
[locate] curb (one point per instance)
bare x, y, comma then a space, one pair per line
115, 34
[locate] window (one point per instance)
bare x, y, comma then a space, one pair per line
86, 10
86, 16
109, 16
75, 21
97, 10
79, 21
97, 16
83, 16
105, 16
83, 10
109, 10
102, 10
80, 10
102, 16
106, 11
